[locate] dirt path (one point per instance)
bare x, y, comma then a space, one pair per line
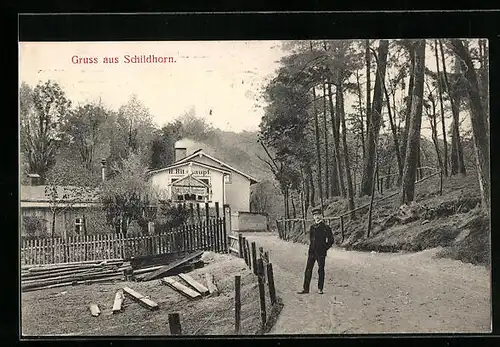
378, 293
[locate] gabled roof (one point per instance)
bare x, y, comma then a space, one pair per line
183, 163
201, 153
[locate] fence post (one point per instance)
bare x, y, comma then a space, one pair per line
254, 259
217, 226
262, 295
237, 303
260, 268
174, 321
247, 245
240, 245
441, 182
207, 213
270, 283
342, 226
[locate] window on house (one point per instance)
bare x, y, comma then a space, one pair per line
227, 179
200, 197
180, 197
79, 225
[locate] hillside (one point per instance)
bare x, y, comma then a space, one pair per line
452, 221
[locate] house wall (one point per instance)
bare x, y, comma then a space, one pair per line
65, 221
161, 180
247, 221
238, 193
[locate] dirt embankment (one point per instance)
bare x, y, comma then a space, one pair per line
453, 220
65, 311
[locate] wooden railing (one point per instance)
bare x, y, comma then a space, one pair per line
285, 226
209, 235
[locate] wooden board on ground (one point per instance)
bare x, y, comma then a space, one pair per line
117, 305
154, 260
211, 285
164, 270
188, 292
141, 299
94, 310
194, 284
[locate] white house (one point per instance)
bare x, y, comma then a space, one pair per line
200, 178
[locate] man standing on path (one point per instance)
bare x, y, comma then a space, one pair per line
321, 239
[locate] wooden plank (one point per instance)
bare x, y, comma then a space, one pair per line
188, 292
117, 304
141, 299
270, 283
212, 288
194, 284
234, 250
94, 310
165, 269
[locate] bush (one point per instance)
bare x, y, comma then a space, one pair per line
34, 226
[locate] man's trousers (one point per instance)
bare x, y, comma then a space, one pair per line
311, 259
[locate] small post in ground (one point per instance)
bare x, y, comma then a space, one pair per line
237, 303
262, 295
174, 322
254, 259
270, 283
240, 245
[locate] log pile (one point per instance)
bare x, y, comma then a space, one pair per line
59, 275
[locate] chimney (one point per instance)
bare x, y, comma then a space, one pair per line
180, 153
103, 169
34, 179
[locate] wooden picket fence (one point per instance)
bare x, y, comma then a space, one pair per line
210, 236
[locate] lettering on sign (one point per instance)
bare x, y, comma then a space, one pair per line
202, 173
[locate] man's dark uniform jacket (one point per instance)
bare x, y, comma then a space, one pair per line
321, 239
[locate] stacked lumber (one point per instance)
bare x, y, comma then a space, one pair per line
59, 275
184, 264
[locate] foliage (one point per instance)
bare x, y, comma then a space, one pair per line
43, 112
126, 196
34, 226
170, 216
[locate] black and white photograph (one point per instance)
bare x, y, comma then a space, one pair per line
260, 187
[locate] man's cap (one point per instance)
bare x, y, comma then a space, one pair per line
316, 210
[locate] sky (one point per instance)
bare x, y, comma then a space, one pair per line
220, 79
222, 76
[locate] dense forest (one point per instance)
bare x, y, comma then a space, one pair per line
342, 113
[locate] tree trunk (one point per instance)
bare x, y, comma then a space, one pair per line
325, 132
373, 131
350, 197
361, 121
393, 129
306, 191
457, 163
338, 167
413, 143
433, 122
318, 150
311, 186
479, 129
293, 208
443, 123
368, 89
408, 101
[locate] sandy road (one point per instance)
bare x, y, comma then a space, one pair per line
378, 293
